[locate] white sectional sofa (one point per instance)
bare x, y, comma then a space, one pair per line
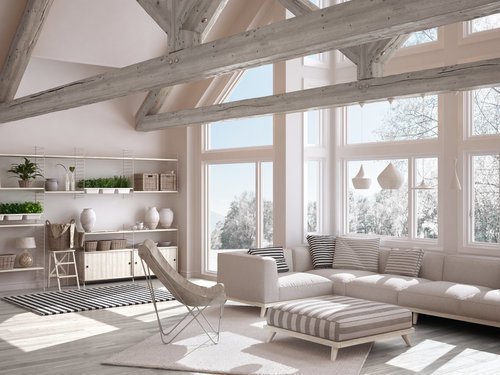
451, 286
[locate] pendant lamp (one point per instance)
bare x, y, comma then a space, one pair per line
390, 178
360, 181
455, 182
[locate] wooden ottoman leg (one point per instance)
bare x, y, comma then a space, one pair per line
407, 339
271, 336
263, 311
333, 355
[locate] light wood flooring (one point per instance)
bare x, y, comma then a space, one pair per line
75, 344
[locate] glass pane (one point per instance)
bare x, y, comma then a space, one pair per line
247, 132
231, 208
404, 119
312, 127
486, 111
486, 198
267, 204
377, 211
312, 175
426, 182
485, 23
421, 37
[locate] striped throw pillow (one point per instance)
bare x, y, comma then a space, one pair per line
273, 252
321, 248
404, 262
357, 253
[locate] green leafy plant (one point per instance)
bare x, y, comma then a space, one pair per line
26, 171
110, 182
21, 208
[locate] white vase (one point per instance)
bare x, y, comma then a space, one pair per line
166, 217
87, 219
151, 218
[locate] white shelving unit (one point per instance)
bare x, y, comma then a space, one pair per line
98, 265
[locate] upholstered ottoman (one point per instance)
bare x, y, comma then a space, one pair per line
339, 321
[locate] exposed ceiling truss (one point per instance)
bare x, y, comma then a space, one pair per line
22, 46
371, 24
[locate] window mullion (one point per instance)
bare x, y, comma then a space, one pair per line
258, 203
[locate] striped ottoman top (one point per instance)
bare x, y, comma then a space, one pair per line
339, 318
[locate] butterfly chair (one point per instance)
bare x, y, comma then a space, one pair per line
195, 297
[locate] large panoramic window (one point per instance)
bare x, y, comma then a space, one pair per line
404, 119
486, 198
247, 132
485, 23
485, 111
408, 212
421, 37
240, 208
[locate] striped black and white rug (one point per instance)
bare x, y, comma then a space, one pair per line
74, 300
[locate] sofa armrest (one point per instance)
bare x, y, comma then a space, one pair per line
248, 277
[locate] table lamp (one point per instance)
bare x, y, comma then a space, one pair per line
25, 243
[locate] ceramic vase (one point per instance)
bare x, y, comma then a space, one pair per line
166, 217
51, 184
151, 218
87, 219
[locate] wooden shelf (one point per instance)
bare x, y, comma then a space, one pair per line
129, 231
23, 269
65, 192
22, 189
155, 192
21, 225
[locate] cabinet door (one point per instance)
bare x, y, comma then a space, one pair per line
170, 254
138, 270
107, 265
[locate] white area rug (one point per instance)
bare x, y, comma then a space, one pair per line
242, 350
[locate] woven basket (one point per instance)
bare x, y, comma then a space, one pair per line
7, 261
146, 182
60, 236
104, 245
90, 245
168, 181
118, 244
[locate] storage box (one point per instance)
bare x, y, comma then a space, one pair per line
146, 182
104, 245
168, 181
118, 244
7, 261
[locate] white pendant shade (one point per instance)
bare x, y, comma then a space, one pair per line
390, 178
455, 182
360, 181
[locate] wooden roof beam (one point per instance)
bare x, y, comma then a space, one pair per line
160, 11
340, 26
22, 46
193, 20
429, 81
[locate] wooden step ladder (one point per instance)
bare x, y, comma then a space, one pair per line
60, 263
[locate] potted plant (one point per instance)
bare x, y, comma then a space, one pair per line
109, 185
18, 211
26, 172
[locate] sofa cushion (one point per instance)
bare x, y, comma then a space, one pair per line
302, 259
472, 270
404, 262
273, 252
356, 253
341, 277
295, 285
439, 296
383, 288
322, 248
484, 305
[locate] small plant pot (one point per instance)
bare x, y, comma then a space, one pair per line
107, 190
122, 190
91, 190
14, 216
31, 216
24, 183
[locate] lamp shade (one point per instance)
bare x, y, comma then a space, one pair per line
25, 243
390, 178
360, 181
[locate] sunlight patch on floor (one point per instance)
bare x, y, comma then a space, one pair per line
471, 361
421, 355
50, 330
